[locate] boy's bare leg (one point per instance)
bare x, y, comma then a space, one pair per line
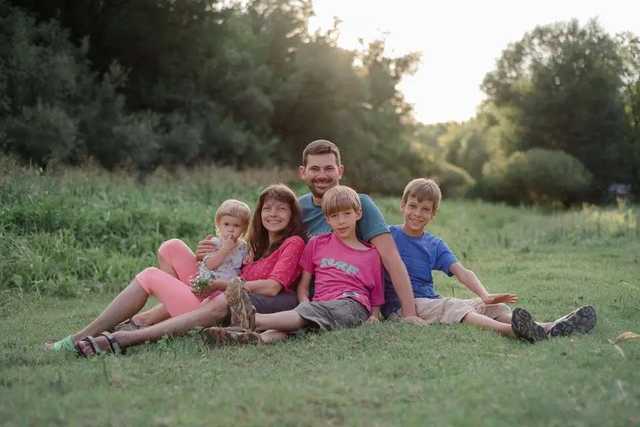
204, 316
126, 304
271, 336
286, 321
485, 322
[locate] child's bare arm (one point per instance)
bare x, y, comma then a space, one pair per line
303, 287
220, 253
471, 281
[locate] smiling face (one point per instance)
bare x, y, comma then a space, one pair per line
230, 226
275, 216
321, 172
417, 215
343, 223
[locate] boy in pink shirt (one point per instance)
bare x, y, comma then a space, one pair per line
347, 279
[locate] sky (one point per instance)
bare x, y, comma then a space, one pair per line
459, 41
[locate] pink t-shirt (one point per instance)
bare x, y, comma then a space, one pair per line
282, 265
343, 272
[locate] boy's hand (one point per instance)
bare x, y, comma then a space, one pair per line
205, 247
500, 298
414, 320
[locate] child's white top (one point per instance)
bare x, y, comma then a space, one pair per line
230, 267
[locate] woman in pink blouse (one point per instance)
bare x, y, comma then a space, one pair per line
276, 239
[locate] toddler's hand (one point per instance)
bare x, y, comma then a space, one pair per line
500, 298
373, 319
229, 243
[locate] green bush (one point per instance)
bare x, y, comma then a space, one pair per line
41, 134
536, 176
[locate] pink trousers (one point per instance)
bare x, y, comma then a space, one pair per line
173, 292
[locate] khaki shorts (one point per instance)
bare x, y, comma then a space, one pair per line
453, 310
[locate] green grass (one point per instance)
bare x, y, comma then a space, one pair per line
69, 240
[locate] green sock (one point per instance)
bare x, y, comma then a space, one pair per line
65, 344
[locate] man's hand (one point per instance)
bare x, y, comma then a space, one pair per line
414, 320
205, 247
500, 298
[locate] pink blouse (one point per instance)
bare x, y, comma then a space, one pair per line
282, 265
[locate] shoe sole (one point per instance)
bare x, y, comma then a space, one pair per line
240, 307
525, 328
582, 321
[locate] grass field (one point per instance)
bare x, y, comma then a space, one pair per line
70, 240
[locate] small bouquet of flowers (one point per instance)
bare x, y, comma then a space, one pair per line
199, 285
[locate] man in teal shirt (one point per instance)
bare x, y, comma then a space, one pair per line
321, 170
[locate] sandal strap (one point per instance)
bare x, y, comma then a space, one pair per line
113, 343
80, 350
96, 347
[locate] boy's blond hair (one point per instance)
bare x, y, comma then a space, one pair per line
320, 146
340, 198
423, 189
237, 209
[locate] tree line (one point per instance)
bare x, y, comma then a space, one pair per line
144, 83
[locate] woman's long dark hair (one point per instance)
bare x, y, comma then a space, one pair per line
258, 236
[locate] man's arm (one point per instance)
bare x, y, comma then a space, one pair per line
399, 277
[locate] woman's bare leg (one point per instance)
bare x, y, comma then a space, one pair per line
126, 304
204, 316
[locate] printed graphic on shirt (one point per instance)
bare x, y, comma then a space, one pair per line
340, 265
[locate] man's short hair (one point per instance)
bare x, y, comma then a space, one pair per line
340, 198
321, 146
423, 189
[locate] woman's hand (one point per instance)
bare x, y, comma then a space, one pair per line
500, 298
205, 247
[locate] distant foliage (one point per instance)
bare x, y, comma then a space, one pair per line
149, 83
537, 176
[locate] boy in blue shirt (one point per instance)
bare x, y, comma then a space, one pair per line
423, 252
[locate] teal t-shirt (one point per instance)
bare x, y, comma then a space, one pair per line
369, 226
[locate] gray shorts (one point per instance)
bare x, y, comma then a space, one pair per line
282, 302
337, 314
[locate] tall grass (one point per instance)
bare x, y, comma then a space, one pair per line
69, 229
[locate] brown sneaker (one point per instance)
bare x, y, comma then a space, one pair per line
579, 321
525, 327
243, 313
216, 336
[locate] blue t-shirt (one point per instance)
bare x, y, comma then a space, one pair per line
369, 226
421, 255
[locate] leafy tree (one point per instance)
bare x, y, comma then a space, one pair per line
560, 88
